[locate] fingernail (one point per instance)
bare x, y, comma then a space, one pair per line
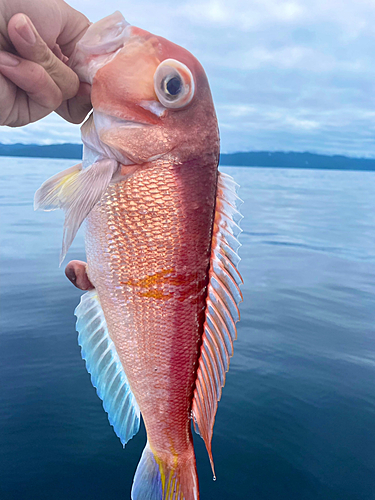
25, 30
8, 59
70, 274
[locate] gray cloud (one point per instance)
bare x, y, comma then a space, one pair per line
285, 75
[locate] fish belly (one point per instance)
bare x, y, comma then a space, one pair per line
148, 247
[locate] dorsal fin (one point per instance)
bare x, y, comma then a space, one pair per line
104, 365
222, 311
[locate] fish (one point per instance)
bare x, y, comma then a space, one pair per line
161, 237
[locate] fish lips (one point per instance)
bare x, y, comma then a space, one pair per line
99, 45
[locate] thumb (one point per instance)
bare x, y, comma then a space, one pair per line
30, 46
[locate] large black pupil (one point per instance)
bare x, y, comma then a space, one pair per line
174, 85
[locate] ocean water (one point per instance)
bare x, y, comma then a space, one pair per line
297, 416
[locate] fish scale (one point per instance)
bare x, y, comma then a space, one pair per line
157, 339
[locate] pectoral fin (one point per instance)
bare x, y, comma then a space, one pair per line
76, 191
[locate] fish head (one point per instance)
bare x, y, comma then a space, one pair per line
151, 98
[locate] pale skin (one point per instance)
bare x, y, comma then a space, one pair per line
37, 37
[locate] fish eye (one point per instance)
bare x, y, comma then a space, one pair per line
174, 84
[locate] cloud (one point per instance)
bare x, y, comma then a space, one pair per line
287, 75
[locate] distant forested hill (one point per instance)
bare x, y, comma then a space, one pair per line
248, 159
297, 160
67, 150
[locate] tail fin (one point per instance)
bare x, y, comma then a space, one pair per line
156, 480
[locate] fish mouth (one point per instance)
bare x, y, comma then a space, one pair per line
99, 45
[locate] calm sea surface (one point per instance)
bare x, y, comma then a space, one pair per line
297, 416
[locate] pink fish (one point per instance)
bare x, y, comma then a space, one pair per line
161, 241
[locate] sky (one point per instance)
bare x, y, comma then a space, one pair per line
285, 75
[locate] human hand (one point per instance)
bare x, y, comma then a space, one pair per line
76, 272
34, 49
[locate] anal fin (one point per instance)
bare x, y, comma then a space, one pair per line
222, 311
104, 365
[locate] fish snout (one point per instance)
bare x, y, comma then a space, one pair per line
99, 45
